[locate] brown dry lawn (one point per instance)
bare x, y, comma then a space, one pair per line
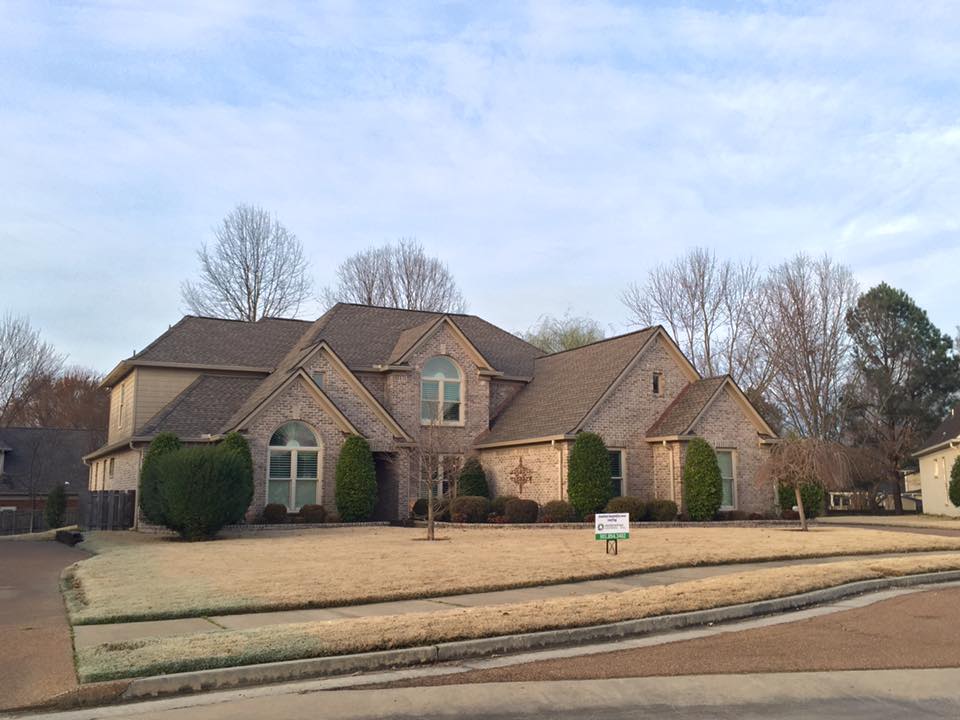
152, 577
288, 642
938, 522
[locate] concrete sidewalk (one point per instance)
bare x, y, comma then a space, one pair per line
89, 635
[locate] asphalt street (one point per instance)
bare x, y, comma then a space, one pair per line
881, 695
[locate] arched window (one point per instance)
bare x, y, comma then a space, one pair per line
441, 398
294, 466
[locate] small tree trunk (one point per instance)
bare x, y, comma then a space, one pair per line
803, 515
897, 497
430, 535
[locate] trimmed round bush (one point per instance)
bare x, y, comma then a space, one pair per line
588, 474
202, 489
469, 509
55, 508
473, 480
628, 504
313, 513
151, 504
519, 510
812, 495
954, 489
419, 509
275, 514
558, 511
662, 511
499, 505
356, 478
702, 482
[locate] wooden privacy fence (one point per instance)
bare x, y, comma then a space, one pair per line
17, 522
110, 510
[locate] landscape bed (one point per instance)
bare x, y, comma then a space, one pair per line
227, 648
136, 577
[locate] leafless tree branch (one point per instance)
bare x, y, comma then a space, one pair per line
255, 269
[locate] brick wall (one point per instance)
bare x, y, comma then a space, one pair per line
623, 418
546, 462
126, 471
296, 402
726, 427
351, 404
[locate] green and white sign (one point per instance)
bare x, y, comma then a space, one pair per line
611, 526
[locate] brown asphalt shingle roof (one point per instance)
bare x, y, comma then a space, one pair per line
363, 336
212, 341
203, 407
947, 430
565, 387
40, 458
681, 413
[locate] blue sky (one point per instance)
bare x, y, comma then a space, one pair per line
550, 152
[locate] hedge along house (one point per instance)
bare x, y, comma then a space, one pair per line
408, 380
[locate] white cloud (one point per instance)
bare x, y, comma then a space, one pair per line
549, 154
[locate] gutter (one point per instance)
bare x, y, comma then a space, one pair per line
951, 443
527, 441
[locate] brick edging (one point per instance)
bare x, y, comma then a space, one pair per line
633, 525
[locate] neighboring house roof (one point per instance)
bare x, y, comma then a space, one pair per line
565, 388
948, 430
204, 407
44, 457
686, 407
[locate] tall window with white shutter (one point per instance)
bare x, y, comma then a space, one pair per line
294, 468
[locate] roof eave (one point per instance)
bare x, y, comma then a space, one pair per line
525, 441
933, 448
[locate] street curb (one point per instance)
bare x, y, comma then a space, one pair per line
223, 678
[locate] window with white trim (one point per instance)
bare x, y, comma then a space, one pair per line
319, 377
441, 392
293, 471
616, 472
112, 461
725, 461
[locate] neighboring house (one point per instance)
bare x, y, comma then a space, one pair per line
411, 382
937, 457
33, 460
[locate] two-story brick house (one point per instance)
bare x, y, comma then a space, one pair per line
404, 379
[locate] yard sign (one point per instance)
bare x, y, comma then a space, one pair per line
611, 526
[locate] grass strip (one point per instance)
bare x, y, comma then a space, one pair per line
228, 648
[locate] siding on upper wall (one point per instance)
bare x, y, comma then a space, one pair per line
121, 426
155, 387
935, 483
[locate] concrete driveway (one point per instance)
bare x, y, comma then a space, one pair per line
36, 661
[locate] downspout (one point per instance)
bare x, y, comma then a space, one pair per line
553, 443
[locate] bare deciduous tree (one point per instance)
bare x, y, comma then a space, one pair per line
400, 275
438, 473
71, 398
803, 333
708, 305
24, 357
801, 461
255, 269
552, 334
